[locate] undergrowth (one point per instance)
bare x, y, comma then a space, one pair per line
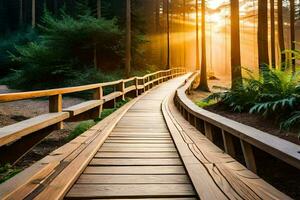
275, 94
7, 171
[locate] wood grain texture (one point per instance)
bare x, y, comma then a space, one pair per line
132, 190
133, 179
230, 178
15, 131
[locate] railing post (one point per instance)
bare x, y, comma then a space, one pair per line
228, 143
121, 88
144, 82
55, 105
208, 131
248, 155
136, 81
98, 95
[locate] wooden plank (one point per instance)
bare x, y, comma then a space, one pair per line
142, 170
191, 198
135, 162
139, 141
132, 190
136, 149
138, 145
132, 179
83, 107
15, 131
137, 155
141, 129
139, 138
112, 96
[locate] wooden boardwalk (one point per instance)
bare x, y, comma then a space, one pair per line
145, 150
138, 159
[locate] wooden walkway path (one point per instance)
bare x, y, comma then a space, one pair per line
138, 159
145, 150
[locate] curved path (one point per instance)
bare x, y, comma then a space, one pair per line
139, 158
144, 150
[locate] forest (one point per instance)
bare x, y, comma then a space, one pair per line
243, 57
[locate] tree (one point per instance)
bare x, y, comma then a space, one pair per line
281, 34
197, 35
98, 9
272, 15
292, 33
262, 33
203, 72
184, 34
236, 70
168, 33
33, 13
20, 12
128, 38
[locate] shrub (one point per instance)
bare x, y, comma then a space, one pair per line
275, 93
66, 51
8, 46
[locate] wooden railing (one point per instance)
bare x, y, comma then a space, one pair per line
211, 125
17, 139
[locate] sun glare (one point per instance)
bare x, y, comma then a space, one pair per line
215, 4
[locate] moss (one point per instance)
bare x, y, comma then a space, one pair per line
7, 171
204, 103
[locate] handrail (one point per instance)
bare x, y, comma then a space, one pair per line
248, 136
60, 91
86, 110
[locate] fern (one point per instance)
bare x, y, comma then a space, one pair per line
274, 93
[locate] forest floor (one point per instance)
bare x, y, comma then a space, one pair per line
264, 124
13, 112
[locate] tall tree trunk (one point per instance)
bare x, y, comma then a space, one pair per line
236, 71
262, 34
21, 12
272, 14
128, 38
168, 34
98, 9
292, 21
184, 36
197, 36
157, 16
33, 13
203, 72
281, 34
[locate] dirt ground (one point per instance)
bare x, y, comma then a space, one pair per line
267, 125
13, 112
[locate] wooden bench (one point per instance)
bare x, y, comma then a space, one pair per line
215, 174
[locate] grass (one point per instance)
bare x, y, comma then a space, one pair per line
85, 125
7, 171
81, 128
203, 103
